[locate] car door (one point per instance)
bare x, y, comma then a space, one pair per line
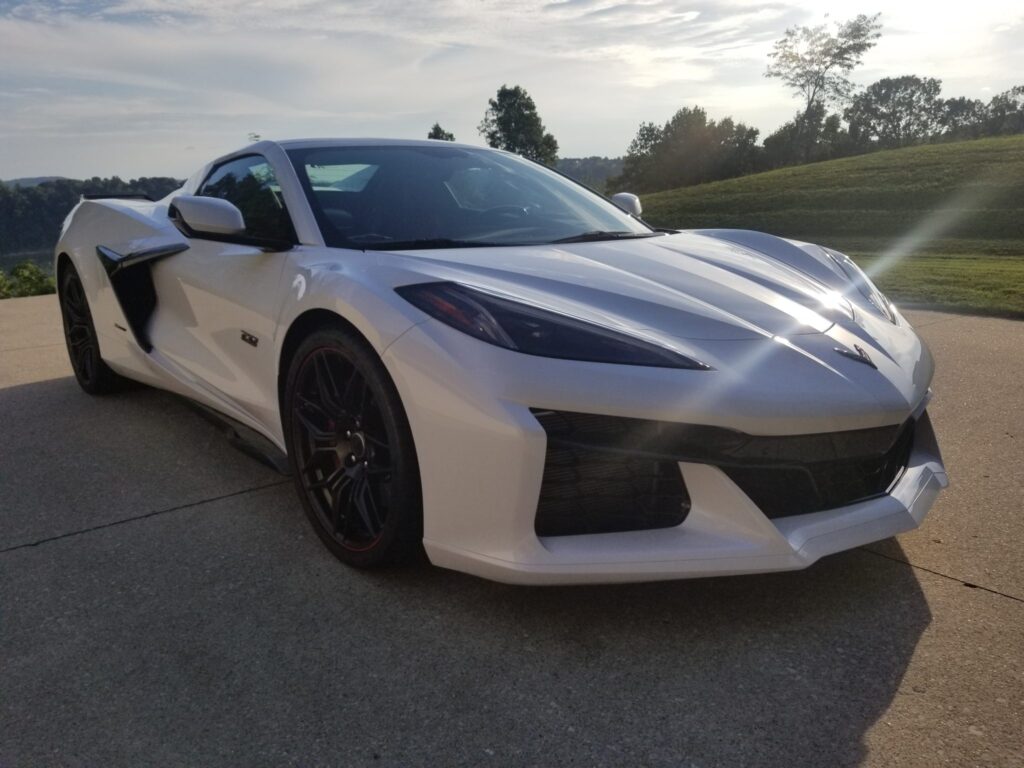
218, 302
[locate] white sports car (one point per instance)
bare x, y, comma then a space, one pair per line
453, 348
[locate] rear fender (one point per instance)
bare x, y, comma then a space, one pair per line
112, 243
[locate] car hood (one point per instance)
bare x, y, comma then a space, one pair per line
688, 285
752, 306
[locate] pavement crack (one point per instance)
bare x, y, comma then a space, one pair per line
969, 584
34, 346
143, 516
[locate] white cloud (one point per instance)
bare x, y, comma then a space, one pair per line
147, 86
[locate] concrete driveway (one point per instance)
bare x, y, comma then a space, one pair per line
163, 602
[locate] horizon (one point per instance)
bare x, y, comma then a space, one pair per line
158, 88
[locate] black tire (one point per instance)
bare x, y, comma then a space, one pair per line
94, 376
351, 451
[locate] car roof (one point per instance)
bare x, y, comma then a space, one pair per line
265, 146
368, 142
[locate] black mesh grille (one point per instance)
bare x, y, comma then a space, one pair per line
780, 491
593, 491
621, 474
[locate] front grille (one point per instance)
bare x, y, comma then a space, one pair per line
593, 491
781, 491
617, 474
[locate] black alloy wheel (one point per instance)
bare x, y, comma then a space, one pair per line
351, 451
93, 375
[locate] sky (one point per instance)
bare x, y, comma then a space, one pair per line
159, 87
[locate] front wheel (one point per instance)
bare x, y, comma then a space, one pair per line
351, 451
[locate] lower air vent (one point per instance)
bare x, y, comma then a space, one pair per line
592, 491
606, 473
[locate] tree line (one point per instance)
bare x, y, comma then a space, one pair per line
835, 119
31, 216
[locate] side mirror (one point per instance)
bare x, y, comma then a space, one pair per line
206, 216
628, 202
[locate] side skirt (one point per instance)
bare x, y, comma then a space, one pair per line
248, 441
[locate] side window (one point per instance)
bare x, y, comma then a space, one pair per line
249, 183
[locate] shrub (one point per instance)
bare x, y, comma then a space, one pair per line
26, 279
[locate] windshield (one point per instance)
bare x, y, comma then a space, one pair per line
390, 197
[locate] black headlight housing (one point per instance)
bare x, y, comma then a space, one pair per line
535, 331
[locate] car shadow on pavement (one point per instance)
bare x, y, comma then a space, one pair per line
784, 670
233, 595
69, 461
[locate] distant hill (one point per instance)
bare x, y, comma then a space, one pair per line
940, 225
969, 189
592, 171
31, 181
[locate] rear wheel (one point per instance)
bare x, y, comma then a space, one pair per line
94, 375
351, 451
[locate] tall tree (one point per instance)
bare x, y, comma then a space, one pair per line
896, 111
688, 149
963, 118
815, 62
511, 123
437, 132
1006, 112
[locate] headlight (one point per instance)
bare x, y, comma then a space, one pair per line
865, 287
535, 331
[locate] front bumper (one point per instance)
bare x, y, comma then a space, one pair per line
482, 453
724, 534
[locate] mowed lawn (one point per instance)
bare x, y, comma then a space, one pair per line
968, 282
939, 225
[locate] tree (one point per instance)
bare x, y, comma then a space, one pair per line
896, 111
963, 118
639, 164
689, 149
808, 137
593, 171
439, 133
1006, 112
511, 123
815, 62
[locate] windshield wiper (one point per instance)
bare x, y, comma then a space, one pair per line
424, 243
597, 234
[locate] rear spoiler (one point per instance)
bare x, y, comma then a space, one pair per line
123, 196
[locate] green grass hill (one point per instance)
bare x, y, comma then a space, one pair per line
941, 224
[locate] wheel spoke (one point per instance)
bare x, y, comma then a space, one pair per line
332, 483
79, 337
83, 353
327, 387
338, 521
312, 430
354, 380
362, 500
74, 314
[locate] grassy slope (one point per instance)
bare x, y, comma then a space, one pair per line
953, 213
